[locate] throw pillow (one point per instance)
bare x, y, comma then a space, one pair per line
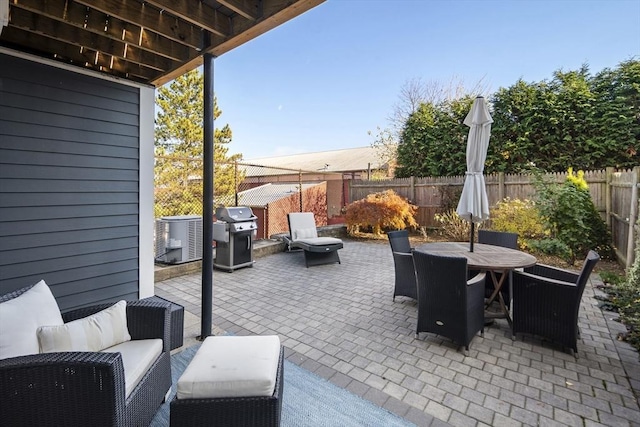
306, 233
21, 317
94, 333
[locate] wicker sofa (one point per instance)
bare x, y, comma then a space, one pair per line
89, 388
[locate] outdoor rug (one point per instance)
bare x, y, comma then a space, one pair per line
308, 401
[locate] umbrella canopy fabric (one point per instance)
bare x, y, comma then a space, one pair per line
474, 204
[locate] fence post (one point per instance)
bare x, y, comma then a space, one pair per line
412, 189
608, 194
633, 216
300, 186
501, 186
235, 179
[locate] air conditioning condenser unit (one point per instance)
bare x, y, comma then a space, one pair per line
178, 239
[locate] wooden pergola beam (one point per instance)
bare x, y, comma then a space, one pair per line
150, 18
274, 15
72, 35
105, 25
153, 41
249, 9
85, 57
196, 13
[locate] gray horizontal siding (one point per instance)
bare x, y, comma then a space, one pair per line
20, 103
72, 262
26, 241
54, 184
62, 212
22, 171
69, 199
69, 182
65, 121
63, 135
66, 144
59, 251
48, 225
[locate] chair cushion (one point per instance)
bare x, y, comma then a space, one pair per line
320, 241
21, 317
93, 333
298, 220
137, 358
305, 233
232, 366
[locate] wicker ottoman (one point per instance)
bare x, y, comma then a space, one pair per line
232, 381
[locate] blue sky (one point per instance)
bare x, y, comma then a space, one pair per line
323, 80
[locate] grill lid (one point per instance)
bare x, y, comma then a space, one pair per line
235, 214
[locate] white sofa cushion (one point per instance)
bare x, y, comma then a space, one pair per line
137, 358
93, 333
232, 366
21, 317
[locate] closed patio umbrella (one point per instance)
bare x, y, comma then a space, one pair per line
474, 204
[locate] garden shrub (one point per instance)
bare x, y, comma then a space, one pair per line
518, 216
550, 247
380, 211
571, 217
624, 297
453, 227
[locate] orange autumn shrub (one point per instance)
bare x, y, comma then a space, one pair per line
380, 211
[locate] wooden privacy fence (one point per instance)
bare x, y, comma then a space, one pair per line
614, 194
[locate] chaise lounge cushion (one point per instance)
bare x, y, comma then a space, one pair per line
137, 357
93, 333
318, 241
21, 317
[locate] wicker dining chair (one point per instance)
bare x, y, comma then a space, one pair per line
405, 275
546, 301
448, 303
505, 240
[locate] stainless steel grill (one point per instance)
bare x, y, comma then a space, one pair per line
233, 232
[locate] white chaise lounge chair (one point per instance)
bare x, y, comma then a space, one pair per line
304, 235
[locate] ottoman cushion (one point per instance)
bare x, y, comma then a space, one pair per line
232, 366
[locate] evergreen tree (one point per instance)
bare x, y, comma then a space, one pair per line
572, 120
179, 149
433, 141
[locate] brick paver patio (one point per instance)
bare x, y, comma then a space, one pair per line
340, 322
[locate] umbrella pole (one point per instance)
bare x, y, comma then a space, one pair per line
471, 239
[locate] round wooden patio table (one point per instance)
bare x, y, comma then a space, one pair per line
496, 260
